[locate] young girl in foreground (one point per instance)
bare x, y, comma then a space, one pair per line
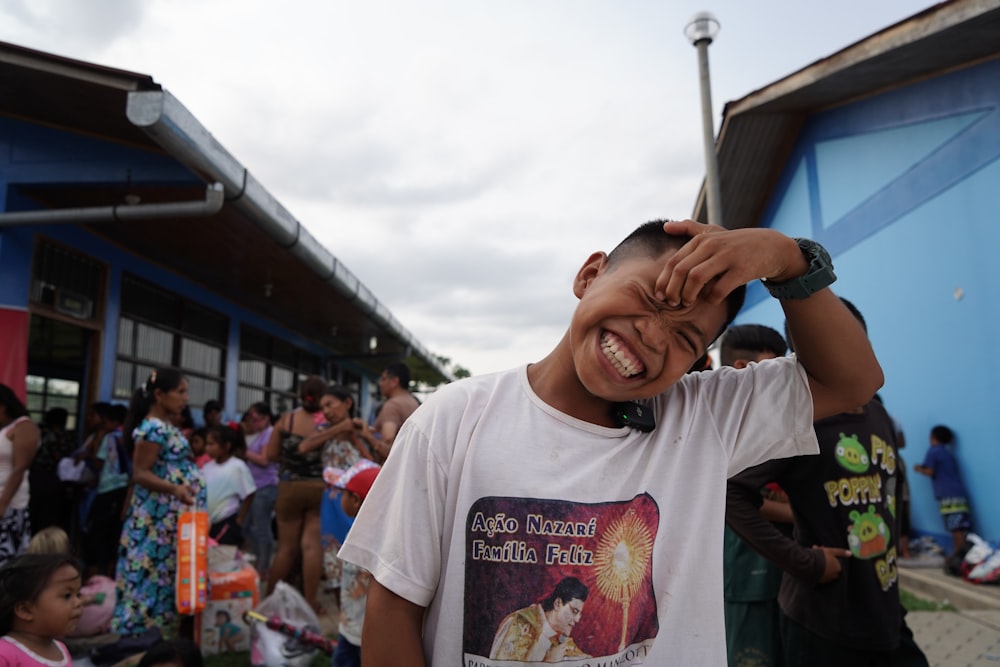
39, 601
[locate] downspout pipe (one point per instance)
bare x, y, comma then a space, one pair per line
210, 205
164, 119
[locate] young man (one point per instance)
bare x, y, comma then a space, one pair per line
750, 581
840, 595
501, 486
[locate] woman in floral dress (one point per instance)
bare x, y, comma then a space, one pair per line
166, 482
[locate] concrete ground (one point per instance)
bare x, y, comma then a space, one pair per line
967, 637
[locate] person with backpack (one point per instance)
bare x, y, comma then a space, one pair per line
112, 465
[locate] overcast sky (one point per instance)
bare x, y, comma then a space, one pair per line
461, 157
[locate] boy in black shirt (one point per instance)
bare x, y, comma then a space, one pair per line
840, 595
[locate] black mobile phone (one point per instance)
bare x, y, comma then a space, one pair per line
634, 415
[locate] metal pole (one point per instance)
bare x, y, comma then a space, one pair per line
712, 191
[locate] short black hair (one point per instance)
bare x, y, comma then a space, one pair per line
649, 240
212, 406
401, 371
942, 434
568, 589
55, 417
11, 403
743, 340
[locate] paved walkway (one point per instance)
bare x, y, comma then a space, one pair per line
967, 637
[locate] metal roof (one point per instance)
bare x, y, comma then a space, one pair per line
253, 251
759, 130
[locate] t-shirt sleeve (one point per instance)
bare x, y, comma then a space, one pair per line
246, 485
761, 412
397, 535
106, 444
151, 431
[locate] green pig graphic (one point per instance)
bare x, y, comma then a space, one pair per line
869, 536
851, 454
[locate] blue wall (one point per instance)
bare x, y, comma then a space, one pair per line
904, 190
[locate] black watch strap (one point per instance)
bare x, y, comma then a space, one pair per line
819, 274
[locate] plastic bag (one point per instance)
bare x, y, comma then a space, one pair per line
270, 648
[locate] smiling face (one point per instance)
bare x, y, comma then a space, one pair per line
625, 344
57, 609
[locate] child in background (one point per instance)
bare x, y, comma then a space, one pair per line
197, 442
103, 528
39, 601
97, 595
354, 484
953, 501
229, 484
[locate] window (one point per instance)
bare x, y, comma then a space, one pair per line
270, 370
159, 328
66, 282
47, 393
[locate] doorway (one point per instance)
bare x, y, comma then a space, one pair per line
58, 368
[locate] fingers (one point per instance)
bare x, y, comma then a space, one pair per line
700, 269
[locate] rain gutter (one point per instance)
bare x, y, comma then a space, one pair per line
161, 116
212, 204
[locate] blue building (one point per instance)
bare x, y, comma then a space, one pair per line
887, 153
130, 239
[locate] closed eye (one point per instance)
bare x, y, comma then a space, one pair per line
693, 339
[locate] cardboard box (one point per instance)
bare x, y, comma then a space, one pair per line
221, 627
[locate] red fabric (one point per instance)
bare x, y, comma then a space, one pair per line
14, 350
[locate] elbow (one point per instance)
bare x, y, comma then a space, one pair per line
861, 388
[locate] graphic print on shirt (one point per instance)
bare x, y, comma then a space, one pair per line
556, 581
870, 488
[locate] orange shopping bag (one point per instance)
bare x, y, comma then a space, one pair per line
192, 562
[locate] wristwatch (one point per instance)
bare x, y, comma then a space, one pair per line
819, 274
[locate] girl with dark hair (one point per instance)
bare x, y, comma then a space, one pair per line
166, 482
229, 484
39, 601
258, 419
300, 491
19, 438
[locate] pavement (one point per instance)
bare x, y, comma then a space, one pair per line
966, 637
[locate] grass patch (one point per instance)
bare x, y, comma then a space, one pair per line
913, 602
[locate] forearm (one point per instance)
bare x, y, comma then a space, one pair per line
392, 633
744, 517
775, 511
835, 351
258, 458
147, 480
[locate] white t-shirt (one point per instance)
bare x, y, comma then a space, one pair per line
227, 484
491, 498
20, 498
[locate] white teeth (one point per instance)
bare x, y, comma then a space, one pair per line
618, 357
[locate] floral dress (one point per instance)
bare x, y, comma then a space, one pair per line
147, 554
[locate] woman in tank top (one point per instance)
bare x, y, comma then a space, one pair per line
19, 438
300, 490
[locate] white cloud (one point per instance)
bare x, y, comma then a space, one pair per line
461, 157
